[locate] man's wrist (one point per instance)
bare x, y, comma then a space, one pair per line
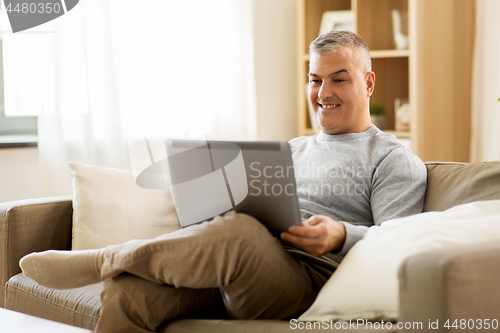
340, 233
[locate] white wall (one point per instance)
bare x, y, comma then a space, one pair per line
19, 177
275, 69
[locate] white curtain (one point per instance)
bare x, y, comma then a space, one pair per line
485, 143
111, 69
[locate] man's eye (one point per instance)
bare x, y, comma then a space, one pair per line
340, 80
315, 81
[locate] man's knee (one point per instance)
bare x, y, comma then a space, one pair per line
244, 226
118, 288
127, 300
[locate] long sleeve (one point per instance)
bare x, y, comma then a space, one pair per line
398, 190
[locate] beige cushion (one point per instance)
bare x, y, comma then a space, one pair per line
77, 307
109, 208
365, 285
451, 184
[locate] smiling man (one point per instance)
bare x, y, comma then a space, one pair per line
350, 176
356, 176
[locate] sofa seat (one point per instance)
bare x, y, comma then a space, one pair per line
80, 307
77, 307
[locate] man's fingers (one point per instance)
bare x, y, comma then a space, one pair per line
304, 231
313, 220
318, 235
297, 241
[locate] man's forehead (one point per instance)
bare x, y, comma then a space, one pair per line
341, 60
326, 65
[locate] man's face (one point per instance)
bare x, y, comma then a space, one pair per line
340, 90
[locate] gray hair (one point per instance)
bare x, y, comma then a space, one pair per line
333, 40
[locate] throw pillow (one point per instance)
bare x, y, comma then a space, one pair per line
365, 285
109, 208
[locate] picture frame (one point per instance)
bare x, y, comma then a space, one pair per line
337, 20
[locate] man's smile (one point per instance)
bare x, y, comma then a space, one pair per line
328, 106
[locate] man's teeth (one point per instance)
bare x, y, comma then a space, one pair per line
330, 106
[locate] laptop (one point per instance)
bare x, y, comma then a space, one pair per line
209, 178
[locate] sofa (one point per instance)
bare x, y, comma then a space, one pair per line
446, 283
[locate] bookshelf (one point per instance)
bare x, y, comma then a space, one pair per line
434, 72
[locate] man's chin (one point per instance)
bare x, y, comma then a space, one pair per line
332, 130
336, 129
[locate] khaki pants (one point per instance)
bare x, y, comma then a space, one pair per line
228, 267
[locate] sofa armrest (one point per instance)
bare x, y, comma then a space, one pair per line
453, 283
30, 226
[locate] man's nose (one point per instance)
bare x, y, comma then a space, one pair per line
325, 91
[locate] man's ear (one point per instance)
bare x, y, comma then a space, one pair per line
370, 83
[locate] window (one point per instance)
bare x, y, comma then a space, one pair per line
13, 125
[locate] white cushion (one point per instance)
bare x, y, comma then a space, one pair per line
109, 208
365, 285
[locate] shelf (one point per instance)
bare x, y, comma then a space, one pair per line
399, 134
389, 54
377, 54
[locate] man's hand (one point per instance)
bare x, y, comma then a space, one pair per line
317, 236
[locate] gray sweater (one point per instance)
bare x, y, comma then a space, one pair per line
359, 179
